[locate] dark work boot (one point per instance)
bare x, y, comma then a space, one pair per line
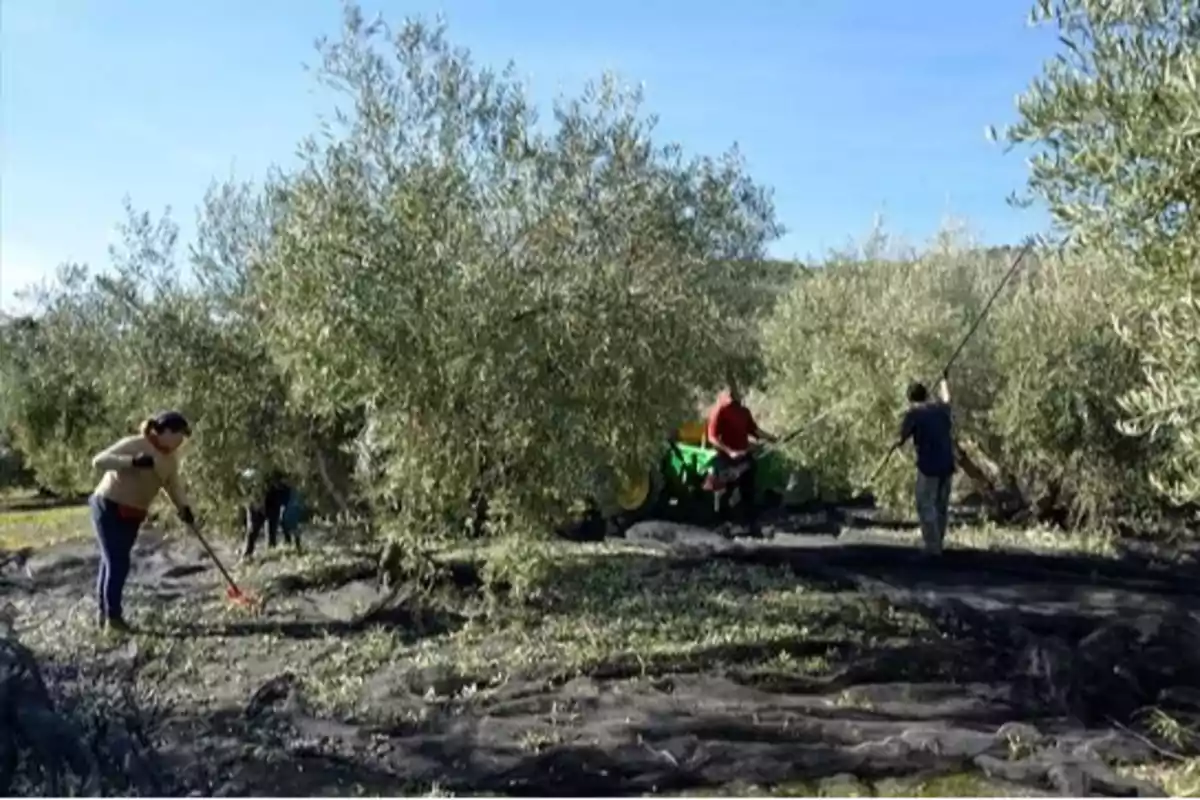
119, 625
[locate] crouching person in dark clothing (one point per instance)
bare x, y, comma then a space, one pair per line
929, 423
267, 506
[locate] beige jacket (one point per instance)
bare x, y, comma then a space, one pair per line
133, 487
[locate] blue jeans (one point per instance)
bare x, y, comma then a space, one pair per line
933, 509
116, 534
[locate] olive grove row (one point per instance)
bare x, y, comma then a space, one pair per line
449, 296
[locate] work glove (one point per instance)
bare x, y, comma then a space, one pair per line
143, 461
186, 515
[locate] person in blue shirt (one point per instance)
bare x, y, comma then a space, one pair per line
930, 425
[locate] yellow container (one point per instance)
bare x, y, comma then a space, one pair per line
694, 433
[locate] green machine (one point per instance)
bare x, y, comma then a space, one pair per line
675, 487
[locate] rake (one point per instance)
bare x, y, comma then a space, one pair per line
232, 593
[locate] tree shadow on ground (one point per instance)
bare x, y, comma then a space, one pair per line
59, 570
89, 729
686, 733
230, 752
995, 608
1064, 596
989, 566
414, 623
641, 742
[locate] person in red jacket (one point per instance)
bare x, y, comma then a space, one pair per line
733, 431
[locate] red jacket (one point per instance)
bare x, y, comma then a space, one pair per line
731, 423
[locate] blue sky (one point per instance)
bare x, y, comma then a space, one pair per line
848, 108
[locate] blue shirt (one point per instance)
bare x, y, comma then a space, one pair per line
930, 426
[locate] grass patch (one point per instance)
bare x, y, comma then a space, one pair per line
43, 527
620, 611
604, 609
1037, 539
1177, 778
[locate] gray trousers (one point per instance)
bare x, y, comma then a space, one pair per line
933, 509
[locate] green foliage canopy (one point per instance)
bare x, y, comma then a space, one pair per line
516, 304
464, 296
1035, 391
1115, 122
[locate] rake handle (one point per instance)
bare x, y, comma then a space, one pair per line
211, 554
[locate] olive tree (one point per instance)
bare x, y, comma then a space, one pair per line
52, 382
103, 350
14, 472
515, 304
1035, 391
190, 338
259, 427
1115, 122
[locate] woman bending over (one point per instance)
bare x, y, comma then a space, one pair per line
135, 469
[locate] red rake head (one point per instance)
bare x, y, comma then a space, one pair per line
235, 595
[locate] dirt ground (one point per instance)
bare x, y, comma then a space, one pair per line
672, 662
